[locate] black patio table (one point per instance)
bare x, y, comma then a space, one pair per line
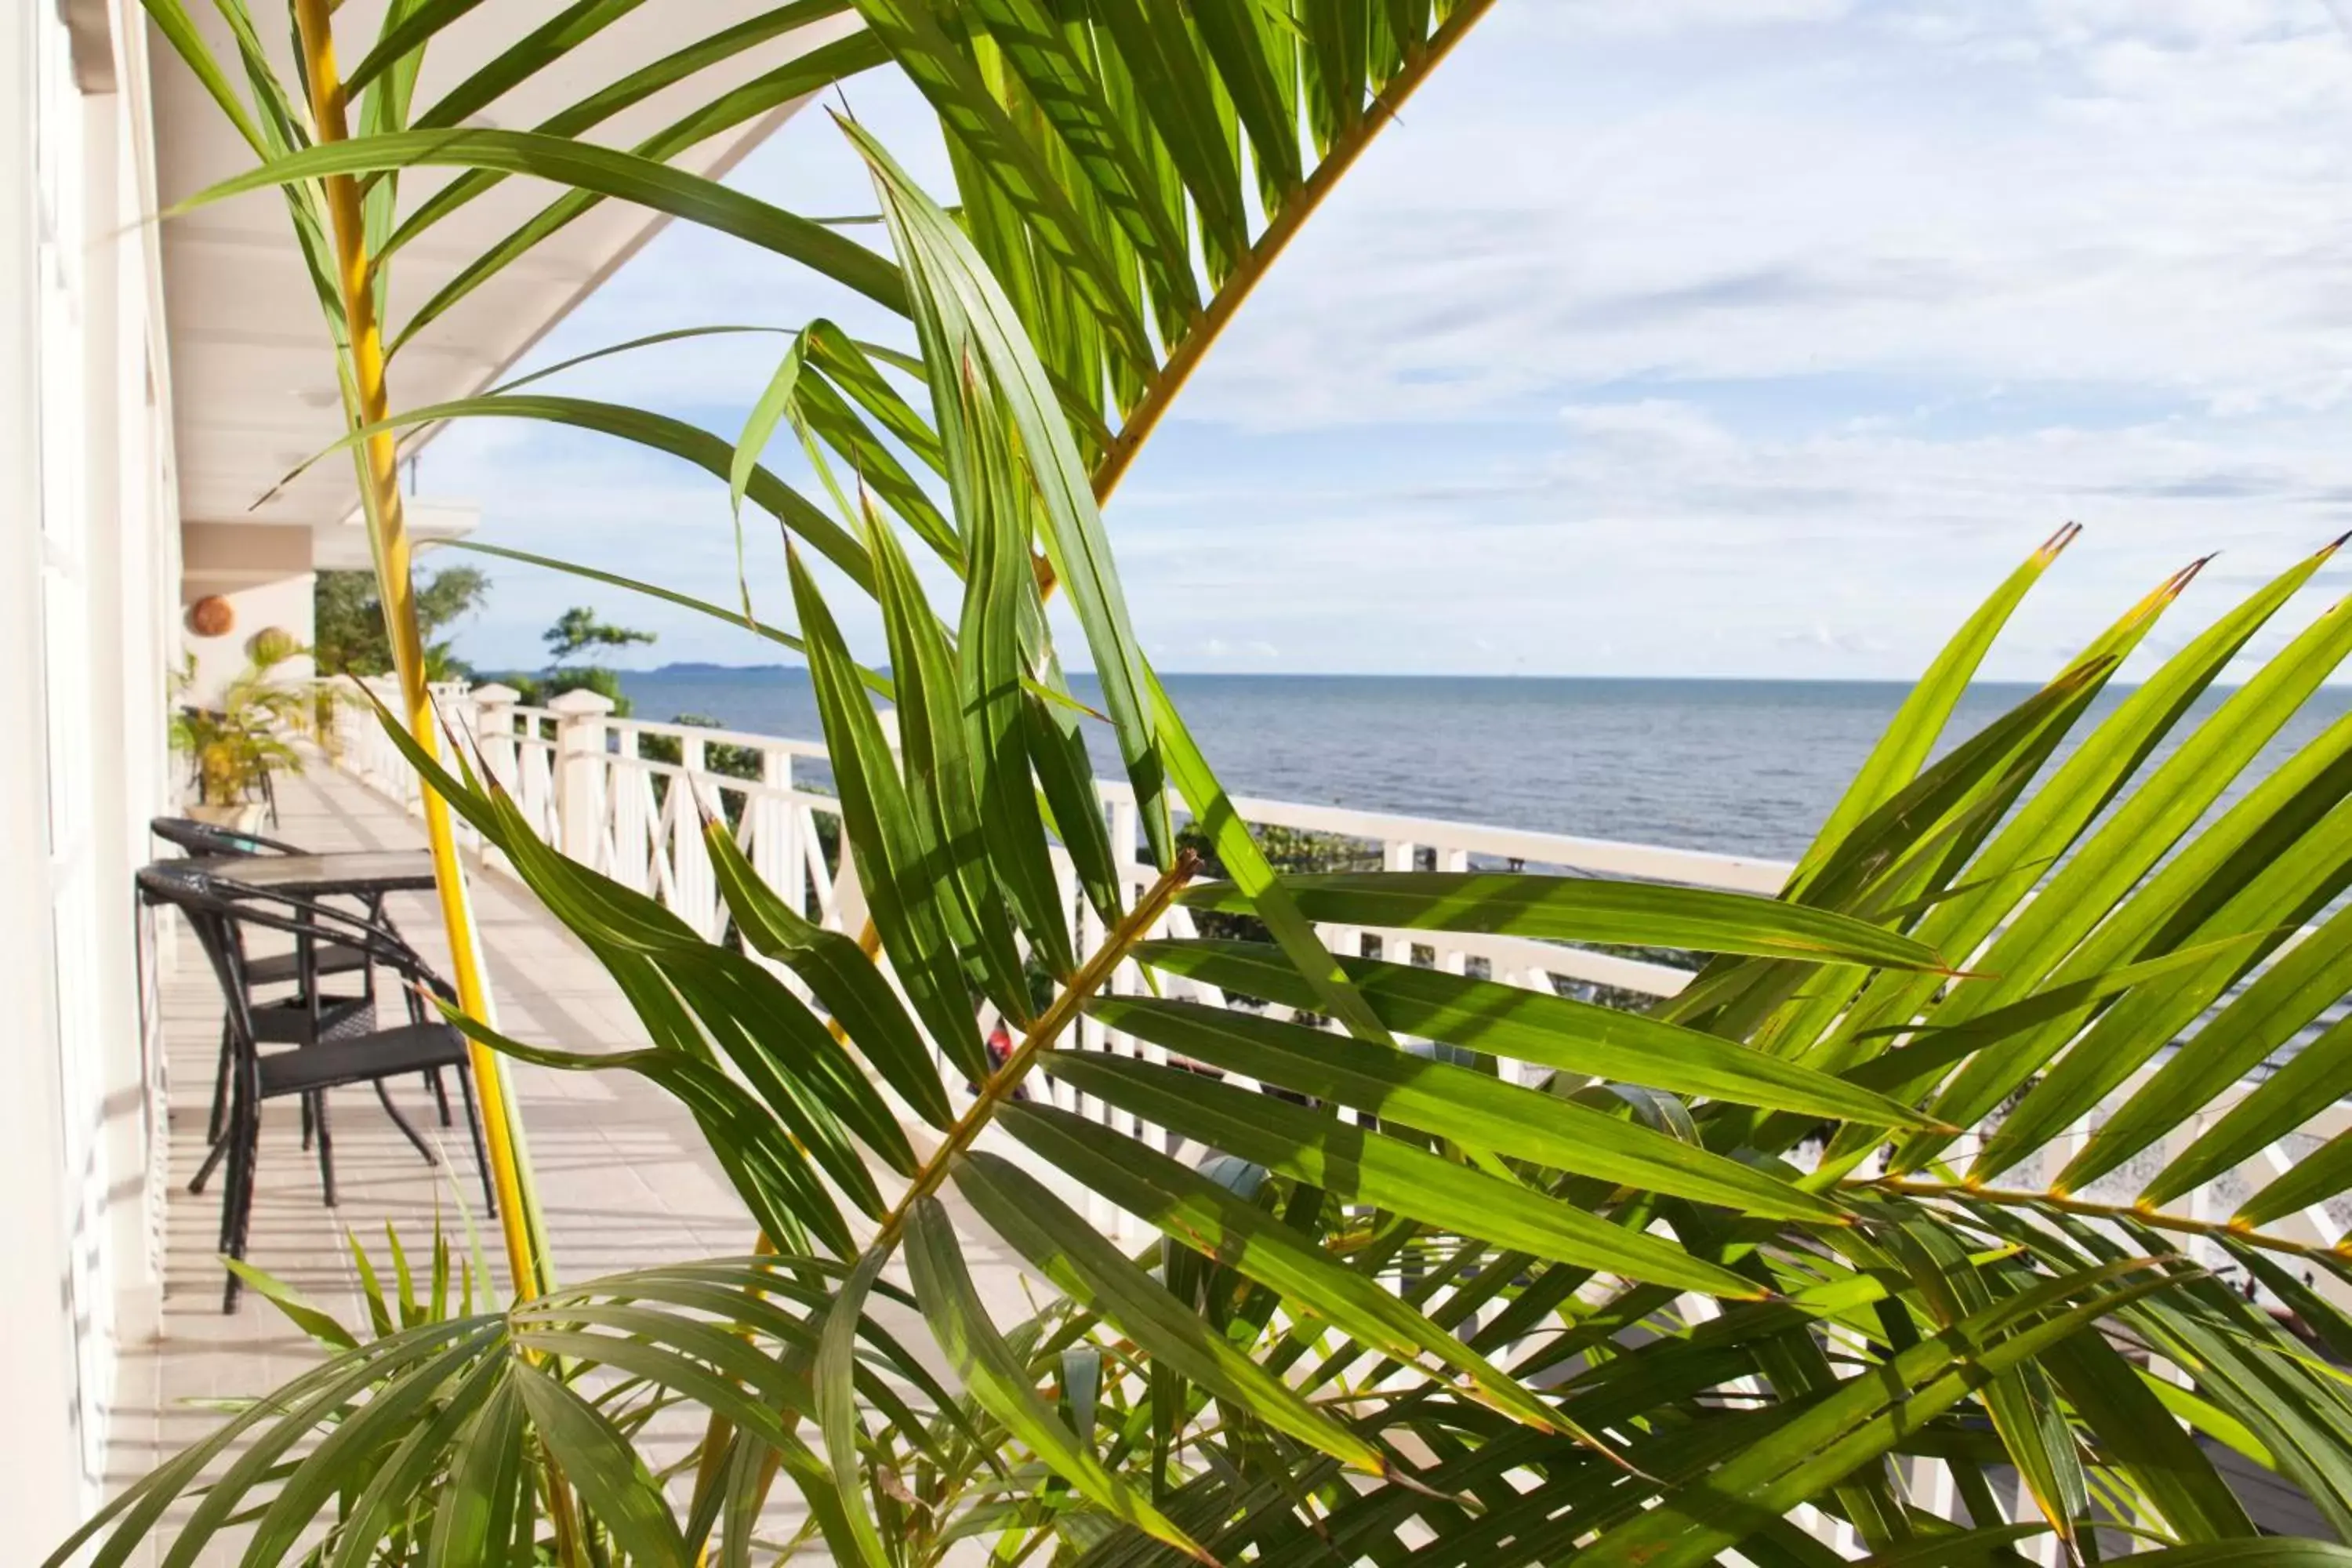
366, 874
339, 1041
362, 875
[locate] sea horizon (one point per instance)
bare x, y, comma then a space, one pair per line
800, 672
1736, 765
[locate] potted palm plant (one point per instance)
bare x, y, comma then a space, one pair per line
234, 748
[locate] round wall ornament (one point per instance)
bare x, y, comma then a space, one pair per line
212, 617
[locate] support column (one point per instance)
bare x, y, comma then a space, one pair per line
494, 737
581, 771
494, 720
693, 886
41, 1483
849, 906
774, 827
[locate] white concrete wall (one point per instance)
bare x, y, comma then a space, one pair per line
284, 603
89, 570
37, 1479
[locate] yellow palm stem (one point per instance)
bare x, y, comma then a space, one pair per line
1144, 418
1218, 314
387, 532
1202, 335
995, 1094
2061, 1203
1042, 1037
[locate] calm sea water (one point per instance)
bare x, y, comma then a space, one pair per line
1732, 765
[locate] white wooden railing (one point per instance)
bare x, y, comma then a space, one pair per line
589, 786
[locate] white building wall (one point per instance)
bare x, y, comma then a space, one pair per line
283, 604
88, 569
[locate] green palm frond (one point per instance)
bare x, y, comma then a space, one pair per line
1099, 156
1827, 1258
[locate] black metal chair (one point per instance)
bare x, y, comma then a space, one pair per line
203, 839
302, 1023
210, 839
340, 1054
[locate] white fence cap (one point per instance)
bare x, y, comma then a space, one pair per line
581, 702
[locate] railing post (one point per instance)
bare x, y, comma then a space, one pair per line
849, 906
1133, 878
580, 771
330, 704
694, 888
380, 764
1452, 960
460, 713
367, 728
456, 701
494, 722
1396, 855
628, 807
494, 739
774, 827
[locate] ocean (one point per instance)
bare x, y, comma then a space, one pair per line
1742, 766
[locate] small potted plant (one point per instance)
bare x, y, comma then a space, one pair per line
234, 748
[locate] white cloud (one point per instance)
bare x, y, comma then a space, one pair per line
1689, 548
1650, 423
1703, 337
2143, 194
1577, 18
1819, 637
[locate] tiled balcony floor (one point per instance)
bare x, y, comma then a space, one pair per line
623, 1173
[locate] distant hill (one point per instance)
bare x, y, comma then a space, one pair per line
691, 668
681, 671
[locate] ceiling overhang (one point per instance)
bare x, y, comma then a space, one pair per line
253, 373
344, 547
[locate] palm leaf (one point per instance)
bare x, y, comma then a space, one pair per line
1479, 1296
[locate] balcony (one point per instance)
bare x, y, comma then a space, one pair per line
629, 1178
630, 1183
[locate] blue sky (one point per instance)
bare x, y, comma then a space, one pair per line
1696, 337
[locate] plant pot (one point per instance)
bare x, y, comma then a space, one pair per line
242, 817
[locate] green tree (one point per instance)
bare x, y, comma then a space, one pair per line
593, 677
578, 630
348, 635
720, 757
